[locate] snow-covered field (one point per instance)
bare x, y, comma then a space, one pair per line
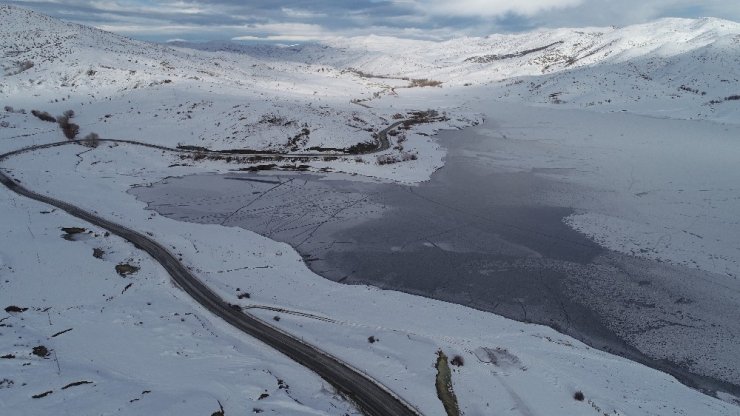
138, 344
149, 337
336, 317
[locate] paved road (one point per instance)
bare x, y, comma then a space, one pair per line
369, 395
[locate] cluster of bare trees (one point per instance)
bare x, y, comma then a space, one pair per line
70, 129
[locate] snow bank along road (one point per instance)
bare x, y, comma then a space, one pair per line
369, 395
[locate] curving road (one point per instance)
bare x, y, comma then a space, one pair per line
382, 144
369, 395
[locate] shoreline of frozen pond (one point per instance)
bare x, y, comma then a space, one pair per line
485, 237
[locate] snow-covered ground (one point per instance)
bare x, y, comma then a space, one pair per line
140, 345
127, 89
150, 337
677, 68
336, 317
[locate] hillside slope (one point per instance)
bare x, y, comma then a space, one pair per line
688, 68
213, 100
228, 96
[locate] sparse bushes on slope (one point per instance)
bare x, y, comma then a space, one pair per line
457, 361
735, 97
359, 148
21, 66
69, 129
425, 83
691, 90
390, 159
25, 66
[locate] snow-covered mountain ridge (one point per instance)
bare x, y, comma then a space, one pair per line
690, 66
693, 64
544, 50
678, 68
215, 100
139, 346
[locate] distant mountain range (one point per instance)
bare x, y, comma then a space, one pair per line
686, 68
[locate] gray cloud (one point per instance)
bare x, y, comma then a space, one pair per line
286, 20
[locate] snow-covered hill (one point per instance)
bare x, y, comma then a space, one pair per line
229, 96
686, 67
224, 95
216, 100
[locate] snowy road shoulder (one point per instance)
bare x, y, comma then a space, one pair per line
124, 339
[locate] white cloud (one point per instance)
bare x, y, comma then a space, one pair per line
492, 8
323, 19
284, 31
301, 14
173, 7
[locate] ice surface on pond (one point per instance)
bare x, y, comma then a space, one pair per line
490, 235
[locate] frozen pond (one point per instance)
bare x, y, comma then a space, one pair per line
488, 239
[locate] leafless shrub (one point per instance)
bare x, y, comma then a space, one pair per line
69, 129
43, 115
21, 66
126, 269
359, 148
91, 140
425, 83
9, 109
457, 361
41, 351
408, 156
688, 89
387, 159
390, 159
274, 120
735, 97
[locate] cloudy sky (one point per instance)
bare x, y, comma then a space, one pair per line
305, 20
